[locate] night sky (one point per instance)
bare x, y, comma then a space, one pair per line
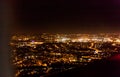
67, 16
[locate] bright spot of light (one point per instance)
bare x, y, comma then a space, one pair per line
80, 40
64, 39
118, 40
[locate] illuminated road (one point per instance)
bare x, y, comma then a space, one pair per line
96, 50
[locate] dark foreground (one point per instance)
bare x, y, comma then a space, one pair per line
103, 68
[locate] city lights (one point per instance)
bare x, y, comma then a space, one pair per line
52, 53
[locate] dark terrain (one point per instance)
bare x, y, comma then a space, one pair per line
103, 68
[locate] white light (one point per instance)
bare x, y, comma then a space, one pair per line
80, 40
118, 40
64, 39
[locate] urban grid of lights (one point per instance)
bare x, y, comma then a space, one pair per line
45, 50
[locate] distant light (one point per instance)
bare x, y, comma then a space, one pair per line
118, 40
74, 40
33, 40
113, 44
80, 40
19, 39
83, 40
63, 39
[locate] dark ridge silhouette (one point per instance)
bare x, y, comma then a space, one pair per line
103, 68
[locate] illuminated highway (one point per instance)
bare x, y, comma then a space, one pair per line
96, 50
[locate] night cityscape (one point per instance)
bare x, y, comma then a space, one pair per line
60, 38
47, 54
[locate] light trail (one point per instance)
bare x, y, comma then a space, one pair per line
96, 50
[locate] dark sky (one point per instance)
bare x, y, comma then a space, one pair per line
67, 16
